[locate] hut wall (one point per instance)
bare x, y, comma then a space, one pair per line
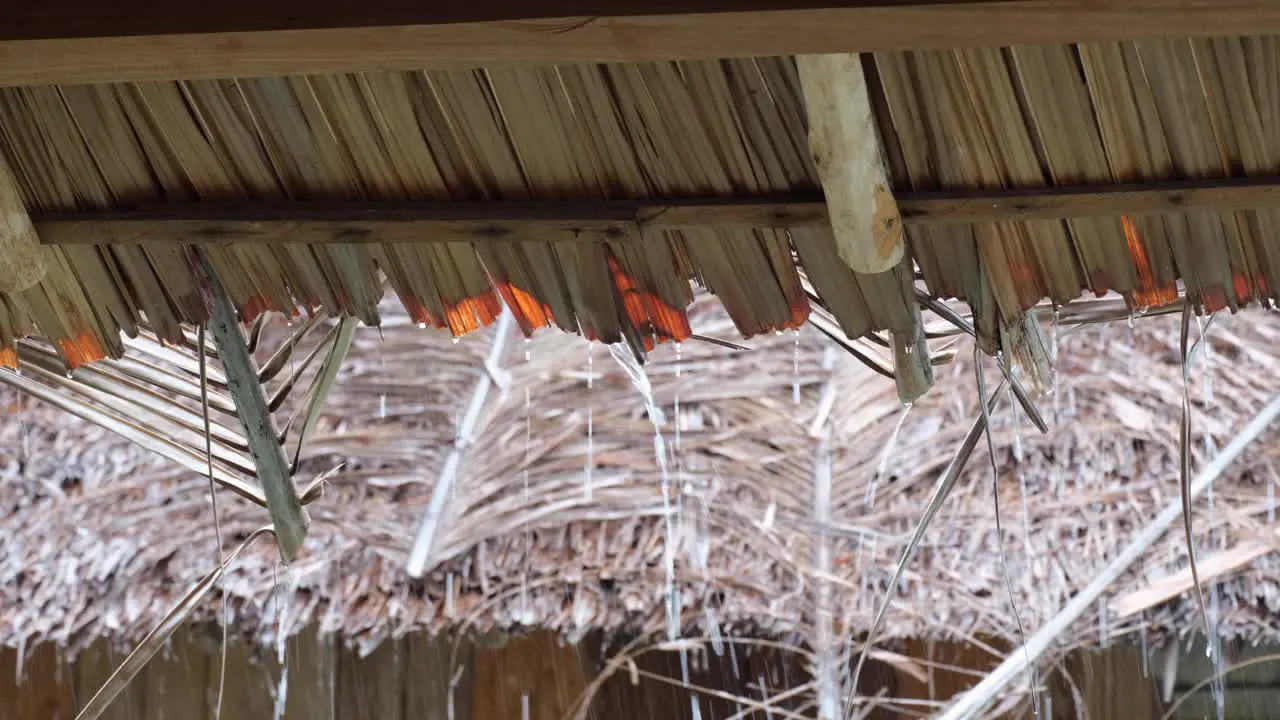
410, 677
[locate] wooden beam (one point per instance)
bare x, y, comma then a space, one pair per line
593, 221
134, 43
21, 261
216, 224
846, 150
1089, 201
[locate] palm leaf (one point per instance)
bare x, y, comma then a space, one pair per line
156, 639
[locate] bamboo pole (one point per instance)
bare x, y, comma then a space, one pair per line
850, 162
975, 700
21, 264
420, 553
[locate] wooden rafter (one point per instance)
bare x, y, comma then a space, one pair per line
82, 42
591, 221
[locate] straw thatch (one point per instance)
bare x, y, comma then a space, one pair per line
1025, 117
103, 537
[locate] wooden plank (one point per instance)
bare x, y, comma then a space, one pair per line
846, 150
537, 670
136, 44
442, 680
41, 689
595, 221
371, 687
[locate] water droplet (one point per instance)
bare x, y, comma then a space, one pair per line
455, 340
422, 326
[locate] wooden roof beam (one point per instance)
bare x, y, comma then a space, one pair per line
82, 41
846, 150
415, 222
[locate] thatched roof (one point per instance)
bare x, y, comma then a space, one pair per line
103, 537
589, 196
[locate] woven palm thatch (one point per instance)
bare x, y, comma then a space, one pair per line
554, 526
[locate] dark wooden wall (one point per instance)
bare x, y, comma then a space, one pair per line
409, 678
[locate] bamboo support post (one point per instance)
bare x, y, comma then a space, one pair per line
846, 149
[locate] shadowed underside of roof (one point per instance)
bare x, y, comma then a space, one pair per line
955, 122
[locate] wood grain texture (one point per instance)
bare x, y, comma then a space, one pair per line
488, 222
846, 150
403, 40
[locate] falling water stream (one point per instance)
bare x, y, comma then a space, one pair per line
525, 611
588, 470
630, 364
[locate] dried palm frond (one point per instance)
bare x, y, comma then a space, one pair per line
154, 397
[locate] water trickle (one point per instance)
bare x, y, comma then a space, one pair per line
1271, 501
713, 630
282, 695
733, 661
889, 447
525, 612
1146, 651
630, 364
795, 367
382, 368
524, 706
764, 695
1053, 362
694, 707
588, 470
676, 405
448, 596
1213, 649
1104, 624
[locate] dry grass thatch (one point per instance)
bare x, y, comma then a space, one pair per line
106, 537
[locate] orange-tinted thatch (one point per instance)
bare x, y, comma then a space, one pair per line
83, 348
656, 320
1148, 292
